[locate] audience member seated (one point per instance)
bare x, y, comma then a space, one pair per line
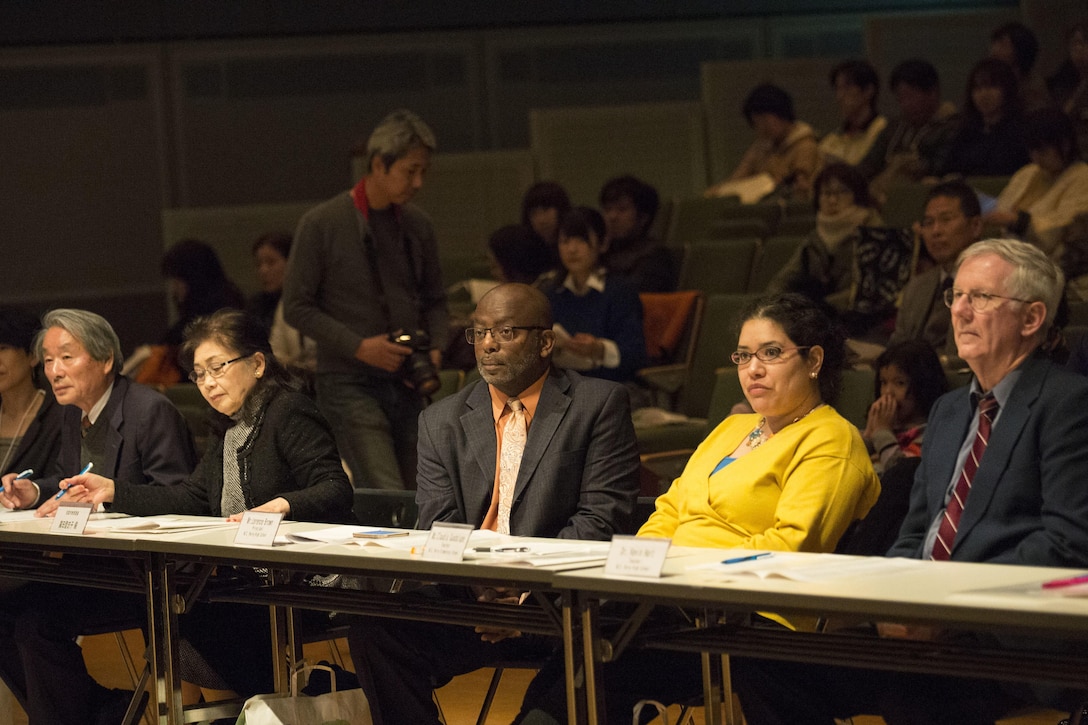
951, 222
270, 253
1074, 259
30, 418
790, 477
1023, 427
990, 140
1042, 198
910, 146
785, 150
291, 347
544, 204
598, 315
518, 254
1015, 44
857, 87
129, 433
568, 443
909, 380
823, 266
272, 452
629, 206
198, 286
1069, 85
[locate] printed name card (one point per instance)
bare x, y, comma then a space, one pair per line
71, 518
258, 529
447, 542
636, 556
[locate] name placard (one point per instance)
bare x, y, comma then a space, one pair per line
71, 518
258, 528
636, 556
447, 542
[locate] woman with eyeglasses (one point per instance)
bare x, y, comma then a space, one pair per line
271, 451
790, 477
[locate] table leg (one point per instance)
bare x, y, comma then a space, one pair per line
162, 622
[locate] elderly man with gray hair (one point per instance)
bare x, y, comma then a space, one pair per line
1001, 480
363, 281
128, 432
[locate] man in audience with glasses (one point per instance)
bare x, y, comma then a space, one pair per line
529, 450
1001, 480
952, 222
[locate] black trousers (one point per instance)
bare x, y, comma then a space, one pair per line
39, 657
400, 663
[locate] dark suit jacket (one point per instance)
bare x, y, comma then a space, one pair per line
290, 453
1029, 498
578, 476
148, 440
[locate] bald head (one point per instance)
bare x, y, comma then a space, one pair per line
514, 364
531, 305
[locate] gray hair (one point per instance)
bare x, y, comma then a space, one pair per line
396, 135
1035, 276
92, 331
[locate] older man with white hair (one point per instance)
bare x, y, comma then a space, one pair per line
1002, 480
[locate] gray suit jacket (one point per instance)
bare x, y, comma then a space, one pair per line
923, 314
1029, 498
578, 476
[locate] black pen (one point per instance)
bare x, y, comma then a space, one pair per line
502, 550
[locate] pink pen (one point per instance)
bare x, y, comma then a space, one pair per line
1070, 582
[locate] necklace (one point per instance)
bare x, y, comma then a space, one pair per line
16, 438
756, 437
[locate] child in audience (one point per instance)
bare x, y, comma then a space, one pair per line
909, 379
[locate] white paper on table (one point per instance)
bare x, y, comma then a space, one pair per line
801, 568
335, 534
161, 524
539, 553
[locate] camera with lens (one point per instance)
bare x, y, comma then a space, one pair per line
417, 367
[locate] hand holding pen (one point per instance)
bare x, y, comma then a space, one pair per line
14, 495
64, 489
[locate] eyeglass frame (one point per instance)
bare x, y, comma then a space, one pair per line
777, 358
495, 332
216, 370
949, 296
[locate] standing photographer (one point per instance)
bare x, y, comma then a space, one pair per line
364, 272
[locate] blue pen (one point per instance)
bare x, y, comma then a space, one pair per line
752, 557
64, 490
25, 474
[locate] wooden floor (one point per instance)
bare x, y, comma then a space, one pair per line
460, 700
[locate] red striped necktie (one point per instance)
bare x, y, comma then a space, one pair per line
950, 522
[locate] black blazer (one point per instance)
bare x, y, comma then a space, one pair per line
40, 445
148, 441
290, 453
579, 472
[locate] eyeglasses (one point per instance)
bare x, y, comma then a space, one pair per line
769, 354
979, 301
502, 334
216, 370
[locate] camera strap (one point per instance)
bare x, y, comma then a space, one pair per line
362, 204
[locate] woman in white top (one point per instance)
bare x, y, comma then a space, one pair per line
1042, 198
